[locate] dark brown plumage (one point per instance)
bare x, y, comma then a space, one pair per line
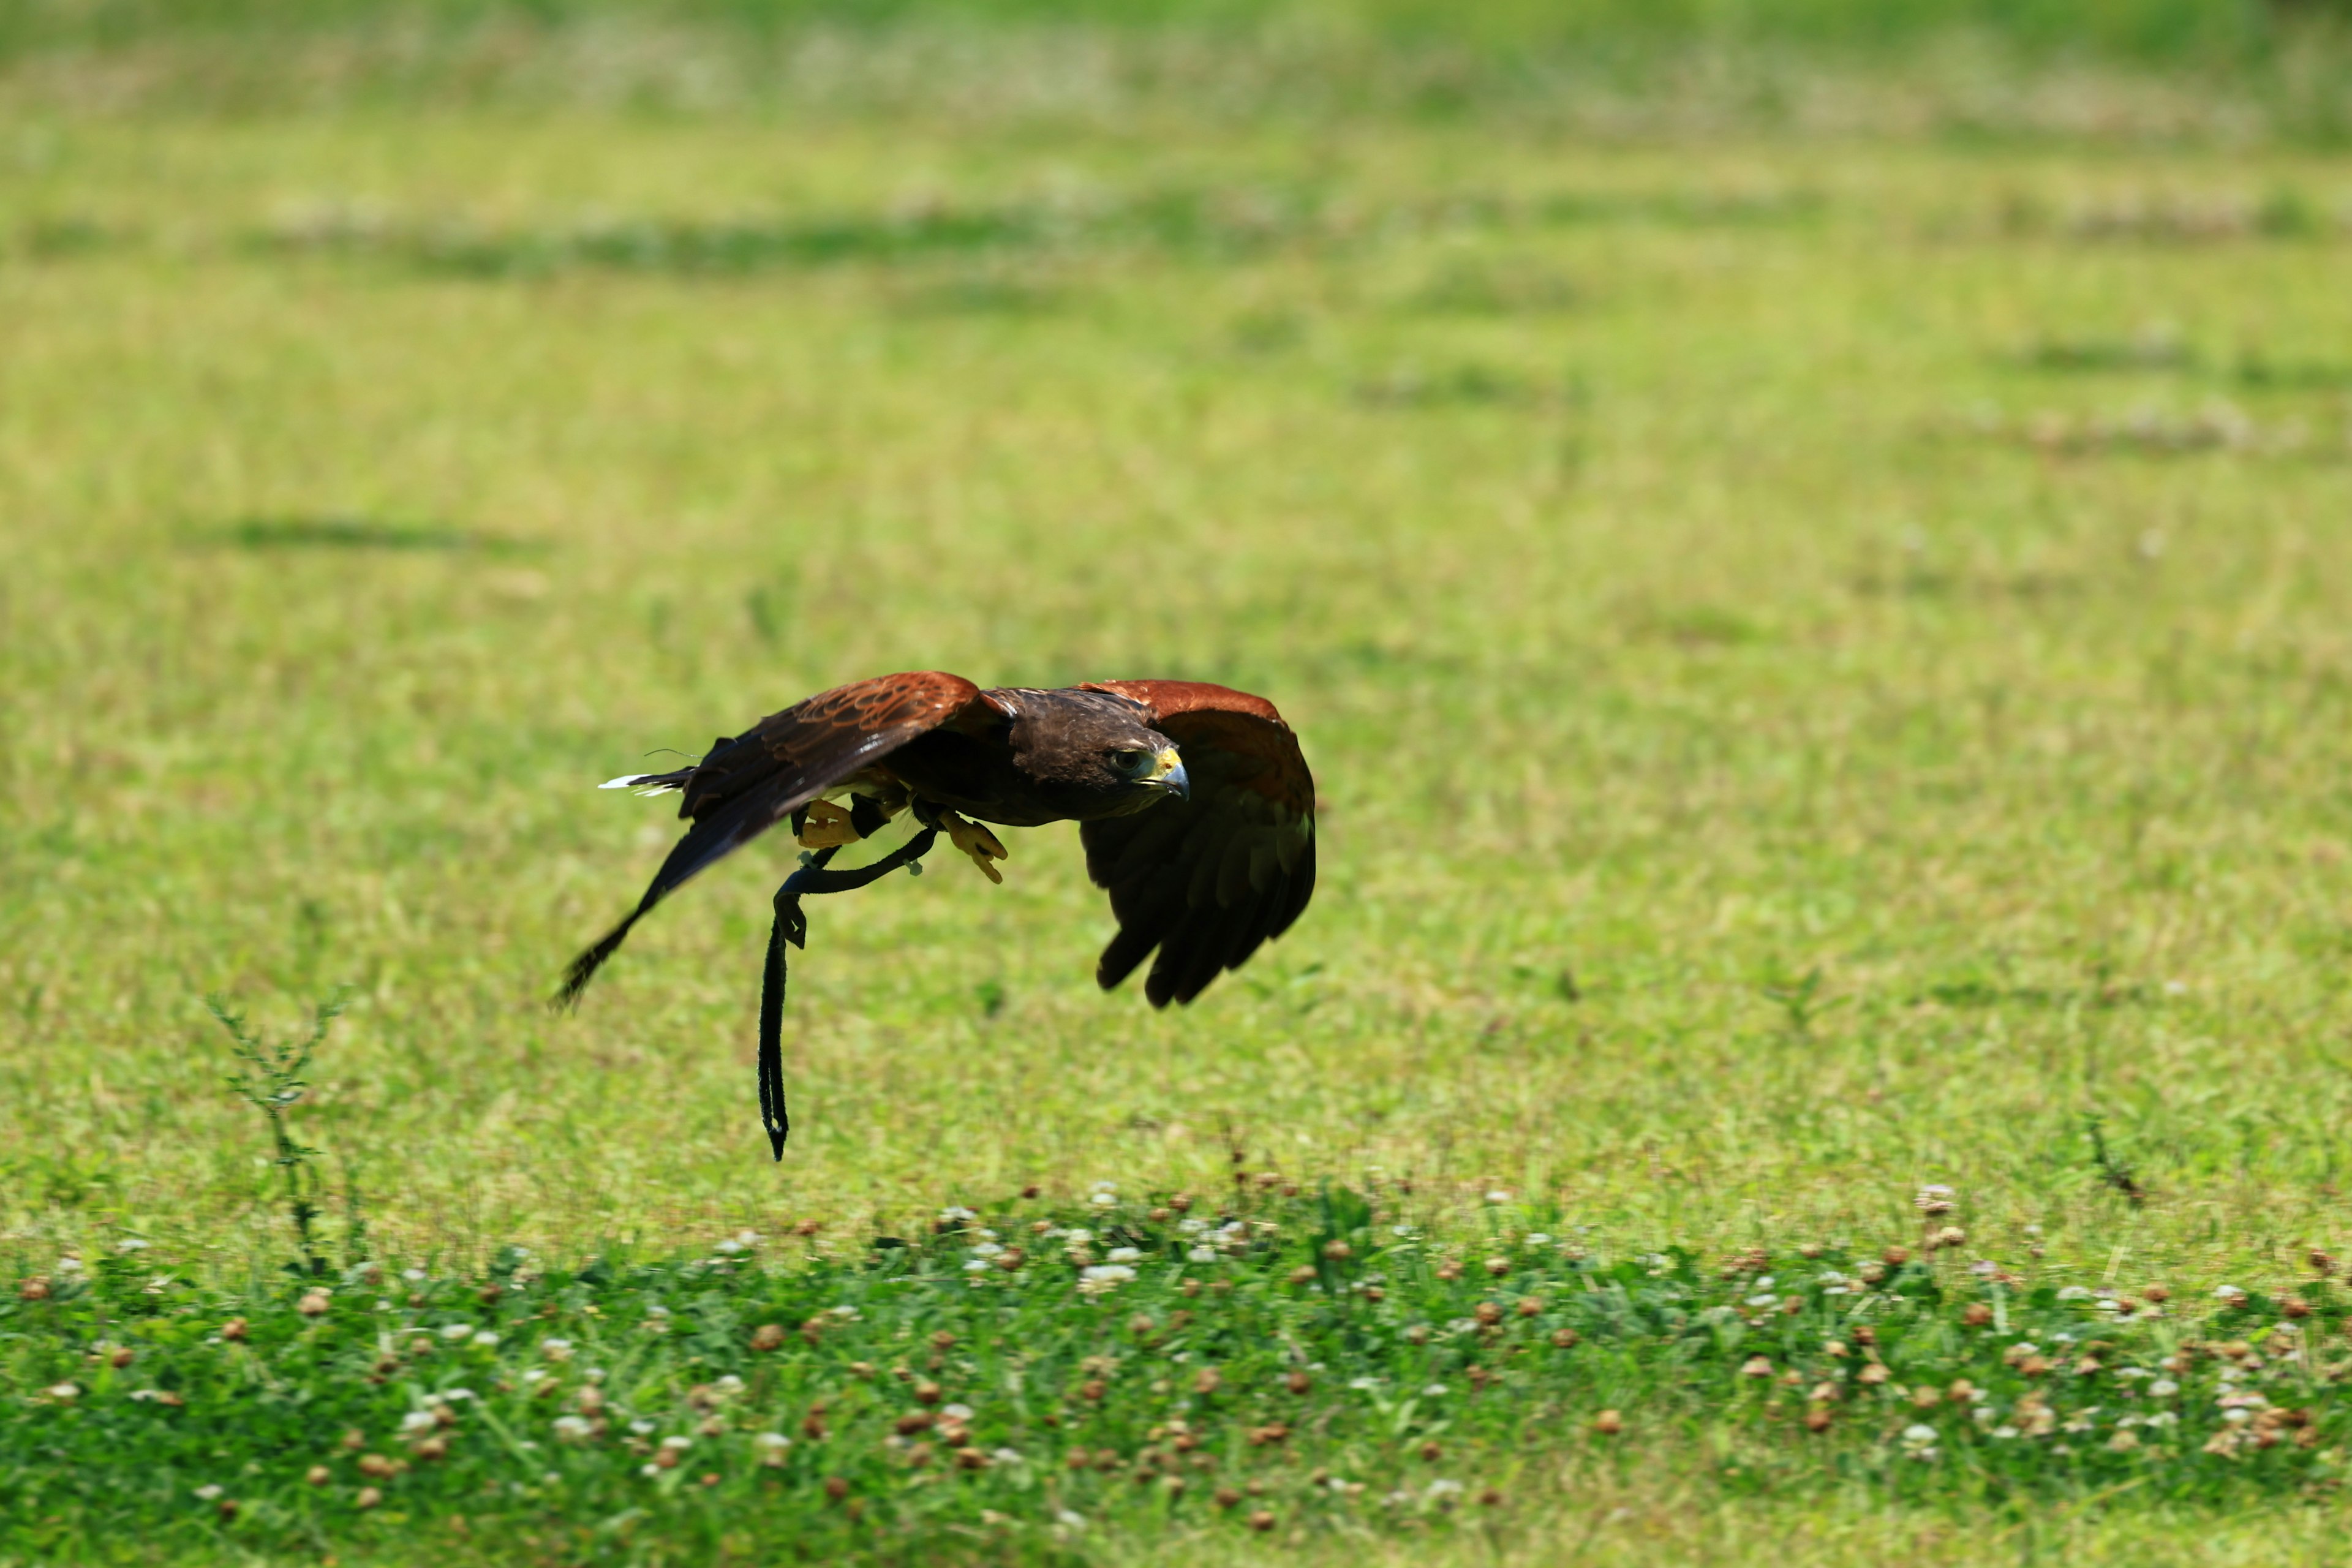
1195, 807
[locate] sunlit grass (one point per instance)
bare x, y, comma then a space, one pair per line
1825, 666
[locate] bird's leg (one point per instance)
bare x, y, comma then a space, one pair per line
828, 825
984, 847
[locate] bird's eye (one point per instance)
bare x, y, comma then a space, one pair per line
1130, 764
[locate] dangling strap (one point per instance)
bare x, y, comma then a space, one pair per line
792, 926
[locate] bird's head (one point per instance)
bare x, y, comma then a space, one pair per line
1096, 754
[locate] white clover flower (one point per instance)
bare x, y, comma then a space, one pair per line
2073, 1293
64, 1392
413, 1276
2163, 1418
534, 1374
1097, 1277
1105, 1187
985, 1248
1069, 1521
955, 1213
488, 1339
1765, 1283
1123, 1255
2237, 1414
1076, 1236
679, 1443
1918, 1436
68, 1264
974, 1266
456, 1394
956, 1412
1202, 1255
1105, 1199
1400, 1230
772, 1442
1438, 1489
1984, 1269
1008, 1457
848, 1313
1434, 1391
418, 1421
209, 1493
1364, 1385
555, 1349
572, 1429
2004, 1432
1538, 1239
649, 1470
2163, 1388
1191, 1226
130, 1243
456, 1331
1766, 1299
2229, 1293
656, 1309
641, 1427
1985, 1416
1498, 1196
729, 1384
729, 1247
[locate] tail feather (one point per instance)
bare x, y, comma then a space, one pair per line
649, 783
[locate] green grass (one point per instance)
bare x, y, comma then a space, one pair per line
1824, 659
1309, 1366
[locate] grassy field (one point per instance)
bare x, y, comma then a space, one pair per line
1825, 658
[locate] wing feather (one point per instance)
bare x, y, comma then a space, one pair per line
1209, 880
747, 784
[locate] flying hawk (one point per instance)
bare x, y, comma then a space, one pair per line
1193, 803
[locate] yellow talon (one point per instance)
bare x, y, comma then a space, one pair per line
983, 847
828, 825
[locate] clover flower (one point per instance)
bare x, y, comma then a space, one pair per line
486, 1340
418, 1421
572, 1429
2230, 1295
1097, 1277
1202, 1255
1123, 1253
456, 1331
555, 1349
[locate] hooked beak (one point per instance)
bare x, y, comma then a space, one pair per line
1169, 774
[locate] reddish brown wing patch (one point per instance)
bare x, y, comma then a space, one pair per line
747, 785
822, 739
1206, 881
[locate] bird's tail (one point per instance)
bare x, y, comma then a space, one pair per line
650, 783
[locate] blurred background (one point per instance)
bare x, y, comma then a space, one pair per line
1804, 538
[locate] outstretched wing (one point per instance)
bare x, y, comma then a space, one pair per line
746, 785
1206, 880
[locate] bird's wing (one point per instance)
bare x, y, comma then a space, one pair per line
1206, 881
746, 785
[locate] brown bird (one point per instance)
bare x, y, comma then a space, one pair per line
1193, 802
